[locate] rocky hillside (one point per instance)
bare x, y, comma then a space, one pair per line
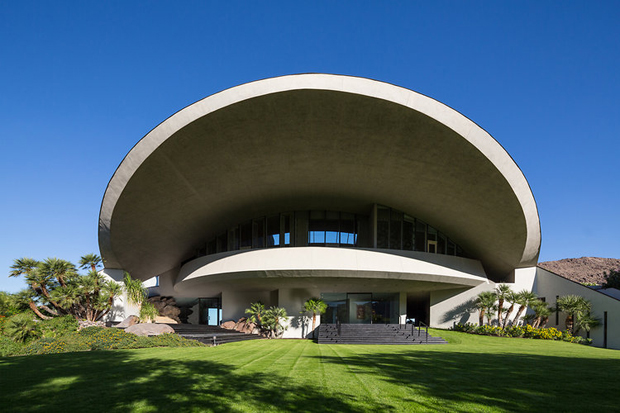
582, 270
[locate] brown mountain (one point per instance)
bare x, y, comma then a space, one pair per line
582, 270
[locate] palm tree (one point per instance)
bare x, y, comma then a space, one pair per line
585, 321
573, 305
501, 291
541, 313
315, 306
136, 293
510, 297
484, 303
90, 260
256, 312
524, 298
273, 321
21, 327
490, 313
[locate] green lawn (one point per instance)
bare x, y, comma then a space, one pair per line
472, 373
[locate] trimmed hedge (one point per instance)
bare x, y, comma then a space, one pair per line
526, 331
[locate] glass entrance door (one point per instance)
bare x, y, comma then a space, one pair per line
361, 308
210, 311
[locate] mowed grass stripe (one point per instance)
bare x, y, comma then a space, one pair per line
472, 373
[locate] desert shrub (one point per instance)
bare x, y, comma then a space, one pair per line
465, 328
148, 312
90, 331
53, 345
58, 326
112, 338
514, 331
22, 327
8, 347
526, 331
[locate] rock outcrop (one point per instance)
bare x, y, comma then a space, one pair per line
242, 325
149, 329
167, 307
128, 322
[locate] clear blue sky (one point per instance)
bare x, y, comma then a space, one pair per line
81, 82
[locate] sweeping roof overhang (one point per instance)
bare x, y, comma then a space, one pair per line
314, 141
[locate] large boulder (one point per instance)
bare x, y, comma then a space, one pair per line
164, 320
128, 322
245, 326
229, 325
149, 329
167, 307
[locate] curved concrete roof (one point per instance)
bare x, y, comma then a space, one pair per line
314, 141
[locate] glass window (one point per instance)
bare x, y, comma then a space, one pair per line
222, 243
431, 242
258, 233
383, 227
451, 248
332, 228
287, 226
273, 231
348, 234
245, 230
233, 239
396, 222
316, 227
408, 233
441, 244
420, 235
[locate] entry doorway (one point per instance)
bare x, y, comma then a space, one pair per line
210, 311
418, 307
361, 308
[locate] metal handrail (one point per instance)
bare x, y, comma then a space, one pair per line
419, 329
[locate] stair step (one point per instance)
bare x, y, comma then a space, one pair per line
374, 334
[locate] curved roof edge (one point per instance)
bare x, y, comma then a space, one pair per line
452, 119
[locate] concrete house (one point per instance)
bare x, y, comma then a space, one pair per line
384, 202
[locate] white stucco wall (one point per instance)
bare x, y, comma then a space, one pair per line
550, 285
456, 305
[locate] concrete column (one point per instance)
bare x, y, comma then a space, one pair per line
402, 308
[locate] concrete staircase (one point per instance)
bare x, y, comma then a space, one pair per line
211, 334
375, 334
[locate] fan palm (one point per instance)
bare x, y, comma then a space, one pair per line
573, 305
315, 306
501, 291
541, 313
256, 312
273, 321
484, 303
90, 260
524, 298
585, 321
21, 327
510, 297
